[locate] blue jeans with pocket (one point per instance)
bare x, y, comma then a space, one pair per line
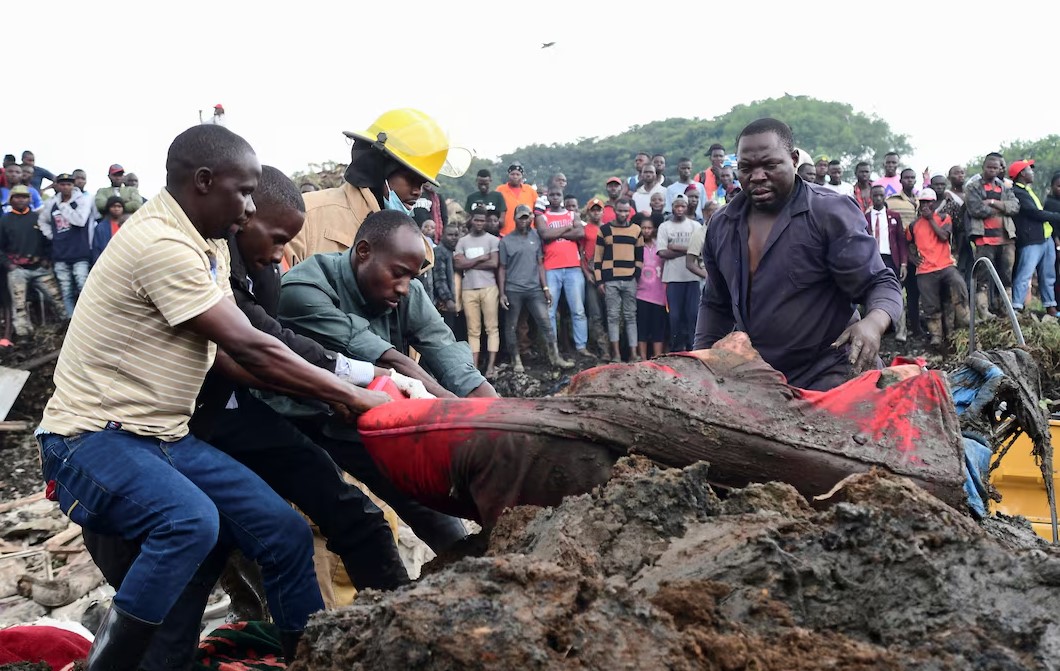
571, 283
1038, 258
72, 276
178, 497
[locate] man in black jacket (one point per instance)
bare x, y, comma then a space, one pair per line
1035, 248
234, 421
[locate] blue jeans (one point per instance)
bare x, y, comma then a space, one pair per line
572, 283
71, 276
683, 299
1040, 258
179, 497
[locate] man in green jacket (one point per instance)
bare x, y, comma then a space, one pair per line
129, 195
362, 303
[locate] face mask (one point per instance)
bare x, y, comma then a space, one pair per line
394, 203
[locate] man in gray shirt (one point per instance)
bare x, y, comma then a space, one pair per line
522, 284
476, 256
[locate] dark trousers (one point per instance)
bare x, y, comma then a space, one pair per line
912, 302
683, 299
1004, 258
437, 530
536, 307
932, 286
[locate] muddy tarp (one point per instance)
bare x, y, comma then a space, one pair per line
474, 457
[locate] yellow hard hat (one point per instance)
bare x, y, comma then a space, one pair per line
410, 136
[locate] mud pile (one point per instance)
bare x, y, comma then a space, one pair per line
655, 571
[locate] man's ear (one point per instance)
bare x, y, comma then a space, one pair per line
362, 250
203, 180
795, 158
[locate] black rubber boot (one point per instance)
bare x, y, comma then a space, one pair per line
289, 644
120, 643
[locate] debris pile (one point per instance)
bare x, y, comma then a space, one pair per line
44, 567
654, 570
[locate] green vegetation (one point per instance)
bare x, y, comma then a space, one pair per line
820, 127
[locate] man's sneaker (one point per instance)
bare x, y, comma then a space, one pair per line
585, 354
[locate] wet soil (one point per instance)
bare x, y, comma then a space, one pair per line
655, 571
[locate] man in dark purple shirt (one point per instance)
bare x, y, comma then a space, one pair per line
785, 261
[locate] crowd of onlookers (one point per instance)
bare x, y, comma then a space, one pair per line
515, 262
51, 232
627, 268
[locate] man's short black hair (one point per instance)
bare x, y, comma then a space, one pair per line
833, 162
203, 146
684, 159
891, 153
624, 201
276, 189
715, 146
479, 210
994, 154
484, 173
27, 153
9, 159
862, 164
568, 196
877, 186
114, 200
905, 170
77, 170
1056, 176
768, 125
642, 153
379, 228
658, 155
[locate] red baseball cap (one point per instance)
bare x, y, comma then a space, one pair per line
1018, 166
219, 106
612, 179
115, 169
594, 202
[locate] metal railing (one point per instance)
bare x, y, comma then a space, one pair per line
1050, 494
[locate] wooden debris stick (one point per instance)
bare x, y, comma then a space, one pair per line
18, 503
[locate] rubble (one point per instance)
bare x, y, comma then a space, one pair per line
655, 570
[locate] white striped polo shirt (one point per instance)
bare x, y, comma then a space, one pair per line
126, 358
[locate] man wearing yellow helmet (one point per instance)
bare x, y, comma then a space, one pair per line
389, 164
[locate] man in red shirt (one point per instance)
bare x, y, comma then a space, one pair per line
930, 242
562, 233
594, 307
515, 193
613, 185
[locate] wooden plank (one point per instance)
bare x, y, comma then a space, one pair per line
60, 539
14, 425
11, 383
18, 503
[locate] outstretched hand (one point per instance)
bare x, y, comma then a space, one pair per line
864, 339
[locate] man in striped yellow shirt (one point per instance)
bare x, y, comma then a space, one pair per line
115, 446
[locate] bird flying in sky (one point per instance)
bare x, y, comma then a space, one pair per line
546, 45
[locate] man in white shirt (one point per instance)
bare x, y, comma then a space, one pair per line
649, 185
887, 227
682, 285
835, 180
680, 187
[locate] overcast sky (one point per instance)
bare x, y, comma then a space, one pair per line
129, 77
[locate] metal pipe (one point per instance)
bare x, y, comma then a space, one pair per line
1049, 490
1004, 294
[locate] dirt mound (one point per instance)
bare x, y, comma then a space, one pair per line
656, 571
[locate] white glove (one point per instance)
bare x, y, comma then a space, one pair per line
355, 372
410, 386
